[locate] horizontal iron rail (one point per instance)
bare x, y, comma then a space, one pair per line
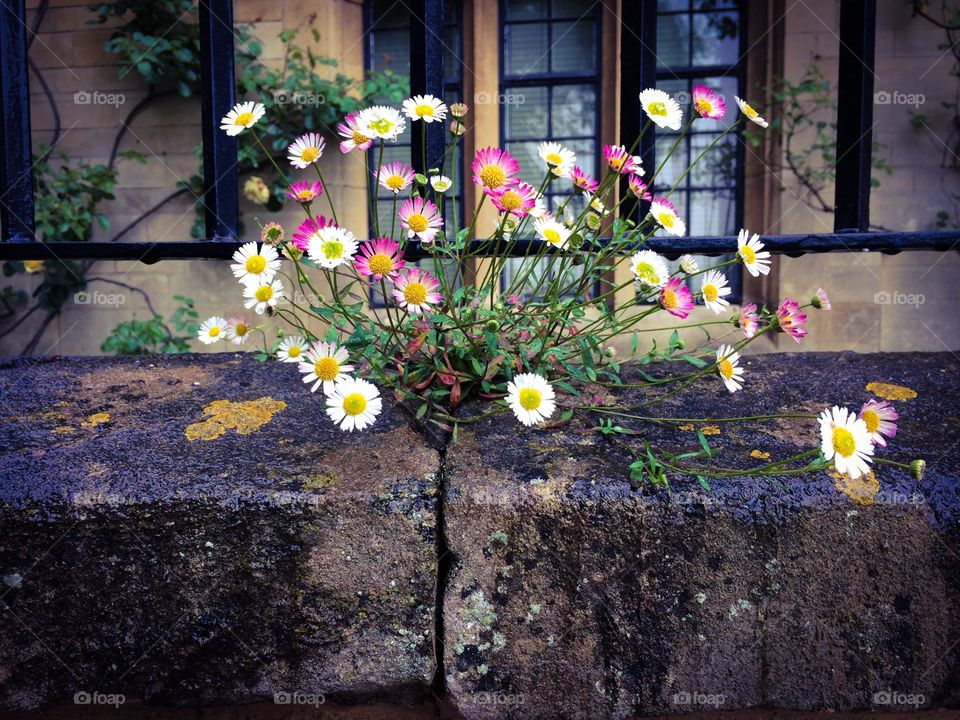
794, 245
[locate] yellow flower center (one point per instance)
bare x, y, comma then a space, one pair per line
395, 182
670, 300
415, 293
244, 119
666, 219
326, 368
658, 108
492, 176
703, 106
359, 139
310, 154
214, 331
240, 329
646, 273
511, 200
872, 419
554, 158
417, 222
749, 111
256, 264
294, 351
424, 110
843, 442
264, 293
305, 195
380, 264
332, 249
616, 162
382, 125
354, 404
530, 399
710, 293
726, 368
551, 236
748, 255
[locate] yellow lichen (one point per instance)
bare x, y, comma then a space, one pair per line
689, 427
891, 392
862, 491
319, 481
759, 455
96, 419
245, 417
710, 430
64, 430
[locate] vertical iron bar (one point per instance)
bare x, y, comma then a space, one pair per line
218, 88
426, 77
638, 70
855, 115
16, 181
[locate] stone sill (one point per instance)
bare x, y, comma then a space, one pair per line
187, 558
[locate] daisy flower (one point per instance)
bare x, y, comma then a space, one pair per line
353, 138
308, 230
553, 232
845, 439
665, 213
583, 181
650, 269
238, 331
261, 295
880, 419
421, 218
494, 168
395, 176
441, 183
661, 108
380, 258
271, 233
517, 199
595, 204
416, 290
426, 108
253, 264
751, 114
305, 192
708, 103
305, 150
292, 349
212, 330
559, 159
676, 298
325, 364
354, 404
688, 263
243, 115
821, 301
714, 289
531, 398
332, 246
639, 188
749, 320
728, 366
618, 160
382, 122
750, 250
792, 319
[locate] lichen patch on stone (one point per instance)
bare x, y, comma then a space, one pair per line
889, 391
245, 417
862, 491
99, 418
759, 455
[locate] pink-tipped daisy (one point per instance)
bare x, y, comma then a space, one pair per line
305, 192
792, 319
305, 150
420, 218
749, 320
639, 188
517, 199
708, 102
308, 230
619, 161
676, 298
821, 301
380, 258
416, 290
728, 367
238, 330
325, 364
880, 418
667, 217
395, 176
845, 439
751, 252
583, 181
349, 129
494, 168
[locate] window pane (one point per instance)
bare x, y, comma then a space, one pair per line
572, 9
673, 164
527, 9
673, 40
527, 48
526, 112
526, 155
574, 111
712, 213
716, 39
718, 166
573, 47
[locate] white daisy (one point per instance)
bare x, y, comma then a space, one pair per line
666, 215
531, 398
243, 115
595, 204
354, 404
714, 289
650, 269
238, 330
381, 122
253, 264
751, 114
325, 364
662, 109
551, 231
750, 250
845, 439
728, 366
441, 183
688, 263
262, 295
425, 107
292, 349
305, 150
332, 246
559, 159
212, 330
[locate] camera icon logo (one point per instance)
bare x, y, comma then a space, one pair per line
82, 298
882, 97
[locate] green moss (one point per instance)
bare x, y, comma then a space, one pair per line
320, 481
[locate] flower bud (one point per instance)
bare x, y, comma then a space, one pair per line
593, 221
492, 325
610, 351
917, 468
458, 110
457, 128
420, 179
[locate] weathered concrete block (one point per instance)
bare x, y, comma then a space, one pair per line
195, 530
574, 595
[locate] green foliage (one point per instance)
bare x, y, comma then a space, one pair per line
154, 336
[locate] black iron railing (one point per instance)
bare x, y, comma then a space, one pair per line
638, 70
